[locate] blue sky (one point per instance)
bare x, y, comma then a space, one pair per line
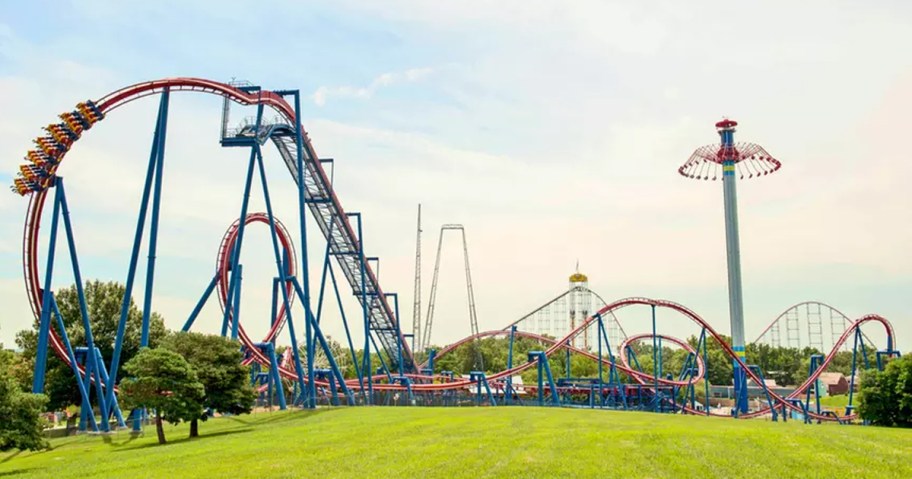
552, 131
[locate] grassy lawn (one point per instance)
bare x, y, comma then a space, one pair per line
479, 442
838, 402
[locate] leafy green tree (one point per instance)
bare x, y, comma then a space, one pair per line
20, 416
495, 351
18, 367
162, 380
217, 363
886, 396
350, 370
104, 301
789, 366
583, 367
720, 368
474, 357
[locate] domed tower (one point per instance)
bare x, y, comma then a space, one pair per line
580, 305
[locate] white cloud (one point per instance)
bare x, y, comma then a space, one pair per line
16, 314
324, 93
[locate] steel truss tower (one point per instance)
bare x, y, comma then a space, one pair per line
416, 310
473, 318
580, 304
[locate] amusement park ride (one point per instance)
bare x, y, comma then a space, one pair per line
400, 378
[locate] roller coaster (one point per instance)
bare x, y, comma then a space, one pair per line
399, 378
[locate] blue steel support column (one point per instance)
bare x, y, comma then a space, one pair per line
84, 379
201, 303
305, 272
398, 330
274, 306
383, 366
367, 332
318, 336
295, 354
114, 406
555, 394
237, 271
850, 407
224, 330
508, 394
274, 378
661, 367
44, 323
91, 359
432, 353
733, 249
233, 286
706, 372
156, 207
816, 360
332, 389
281, 269
134, 256
334, 370
613, 377
326, 266
351, 346
655, 361
599, 333
864, 355
83, 392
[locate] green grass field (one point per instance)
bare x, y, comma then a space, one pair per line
837, 402
479, 442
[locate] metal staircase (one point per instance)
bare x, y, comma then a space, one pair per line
344, 240
345, 246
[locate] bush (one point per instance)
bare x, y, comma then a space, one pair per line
21, 426
886, 396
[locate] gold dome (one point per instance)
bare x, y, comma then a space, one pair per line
578, 278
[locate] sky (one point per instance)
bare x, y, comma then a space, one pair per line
551, 130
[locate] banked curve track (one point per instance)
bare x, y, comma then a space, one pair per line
647, 380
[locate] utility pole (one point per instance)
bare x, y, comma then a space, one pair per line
416, 310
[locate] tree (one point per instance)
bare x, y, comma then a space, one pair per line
495, 351
17, 367
720, 369
886, 396
20, 416
163, 380
104, 302
377, 361
217, 363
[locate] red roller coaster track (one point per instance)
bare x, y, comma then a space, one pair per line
223, 265
645, 379
275, 101
141, 90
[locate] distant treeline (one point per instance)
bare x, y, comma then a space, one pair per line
787, 366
